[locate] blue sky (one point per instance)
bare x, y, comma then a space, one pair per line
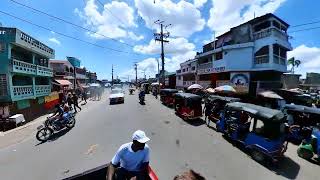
131, 22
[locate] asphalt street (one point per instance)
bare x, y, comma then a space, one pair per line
175, 145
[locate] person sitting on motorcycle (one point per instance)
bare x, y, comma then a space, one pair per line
133, 159
58, 113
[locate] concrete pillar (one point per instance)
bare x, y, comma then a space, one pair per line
33, 58
34, 86
270, 54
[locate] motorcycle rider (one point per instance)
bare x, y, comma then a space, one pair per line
58, 116
141, 95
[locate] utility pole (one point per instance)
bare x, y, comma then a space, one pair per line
136, 69
161, 37
112, 76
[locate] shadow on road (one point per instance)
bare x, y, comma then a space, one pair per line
195, 122
286, 167
55, 136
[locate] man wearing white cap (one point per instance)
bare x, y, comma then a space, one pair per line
133, 159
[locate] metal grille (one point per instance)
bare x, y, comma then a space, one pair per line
3, 85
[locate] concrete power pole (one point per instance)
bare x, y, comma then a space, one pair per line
161, 37
112, 76
136, 69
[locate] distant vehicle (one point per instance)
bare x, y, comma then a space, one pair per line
167, 96
116, 96
117, 86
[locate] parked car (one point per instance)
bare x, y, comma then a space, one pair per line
116, 96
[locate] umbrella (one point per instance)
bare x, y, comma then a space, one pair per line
195, 86
210, 90
270, 94
94, 85
156, 84
225, 89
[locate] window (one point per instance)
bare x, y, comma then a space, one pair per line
179, 77
193, 68
183, 70
262, 55
218, 56
3, 85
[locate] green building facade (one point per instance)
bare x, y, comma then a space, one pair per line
24, 68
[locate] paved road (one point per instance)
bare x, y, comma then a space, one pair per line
176, 146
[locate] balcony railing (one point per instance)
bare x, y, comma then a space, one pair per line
22, 92
270, 31
205, 65
32, 69
44, 71
261, 59
23, 67
43, 90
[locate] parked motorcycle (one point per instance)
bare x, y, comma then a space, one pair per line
51, 125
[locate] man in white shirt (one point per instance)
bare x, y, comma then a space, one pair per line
133, 159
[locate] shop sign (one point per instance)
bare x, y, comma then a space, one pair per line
205, 71
218, 69
240, 81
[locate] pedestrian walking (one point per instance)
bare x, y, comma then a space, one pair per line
84, 96
207, 111
75, 102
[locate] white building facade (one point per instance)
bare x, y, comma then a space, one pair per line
251, 57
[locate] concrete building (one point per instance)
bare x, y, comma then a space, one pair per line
63, 73
251, 57
312, 82
92, 77
187, 74
25, 76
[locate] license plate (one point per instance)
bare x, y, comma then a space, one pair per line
40, 127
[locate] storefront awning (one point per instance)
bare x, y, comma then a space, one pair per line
63, 82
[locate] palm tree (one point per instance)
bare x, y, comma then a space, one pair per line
294, 63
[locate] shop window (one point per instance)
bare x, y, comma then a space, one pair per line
218, 56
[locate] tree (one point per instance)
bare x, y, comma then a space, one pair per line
294, 63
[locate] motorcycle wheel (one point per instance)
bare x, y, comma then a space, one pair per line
44, 134
70, 124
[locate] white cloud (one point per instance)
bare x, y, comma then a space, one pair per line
112, 21
309, 57
199, 3
184, 16
175, 46
54, 40
229, 13
135, 37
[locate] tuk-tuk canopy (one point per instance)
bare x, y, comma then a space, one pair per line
259, 111
188, 96
212, 98
168, 91
302, 109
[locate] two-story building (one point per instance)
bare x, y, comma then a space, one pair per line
186, 75
251, 57
25, 77
63, 73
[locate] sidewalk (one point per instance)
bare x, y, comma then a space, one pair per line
19, 134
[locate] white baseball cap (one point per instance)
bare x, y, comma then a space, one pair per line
140, 136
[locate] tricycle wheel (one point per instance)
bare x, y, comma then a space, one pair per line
304, 153
257, 156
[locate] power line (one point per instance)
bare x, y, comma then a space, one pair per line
304, 24
68, 36
71, 23
306, 29
112, 13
